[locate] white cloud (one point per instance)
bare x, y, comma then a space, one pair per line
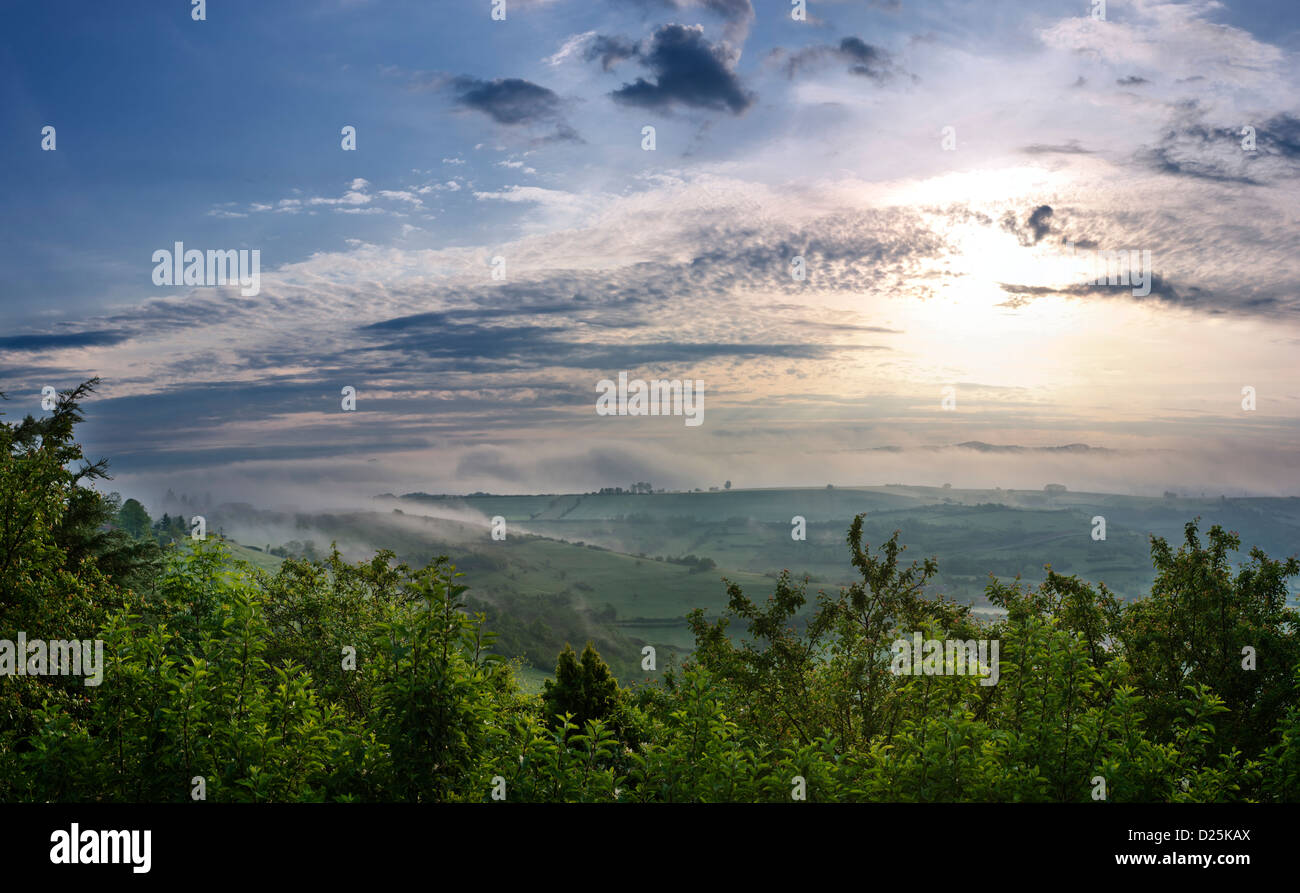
570, 48
401, 196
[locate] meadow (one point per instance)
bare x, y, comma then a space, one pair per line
624, 569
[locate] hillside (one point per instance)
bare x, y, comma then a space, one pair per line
623, 569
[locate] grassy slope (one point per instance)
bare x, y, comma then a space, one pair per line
547, 571
260, 560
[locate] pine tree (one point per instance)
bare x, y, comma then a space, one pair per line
582, 687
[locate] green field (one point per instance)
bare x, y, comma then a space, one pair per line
602, 566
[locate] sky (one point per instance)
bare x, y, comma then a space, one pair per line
502, 239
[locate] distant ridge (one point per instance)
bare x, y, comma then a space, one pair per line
982, 447
1011, 448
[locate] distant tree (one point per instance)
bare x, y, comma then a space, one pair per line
727, 485
583, 687
134, 519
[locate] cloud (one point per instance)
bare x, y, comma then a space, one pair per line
625, 260
610, 50
553, 198
686, 276
516, 165
863, 59
358, 200
1035, 228
1190, 147
508, 101
1038, 224
57, 341
351, 197
473, 347
1161, 290
515, 102
1173, 38
401, 195
688, 71
1070, 147
569, 48
737, 15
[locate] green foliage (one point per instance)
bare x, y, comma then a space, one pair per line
375, 681
435, 692
583, 689
134, 519
1197, 625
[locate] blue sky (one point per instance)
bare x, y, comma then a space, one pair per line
929, 267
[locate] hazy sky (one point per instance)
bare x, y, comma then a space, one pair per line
930, 162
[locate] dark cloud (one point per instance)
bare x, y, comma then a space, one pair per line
19, 378
863, 59
610, 50
1070, 147
688, 71
1038, 222
136, 460
166, 429
29, 343
1280, 136
868, 61
1161, 290
445, 318
1132, 81
1162, 159
475, 347
515, 102
1199, 151
508, 100
1036, 226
